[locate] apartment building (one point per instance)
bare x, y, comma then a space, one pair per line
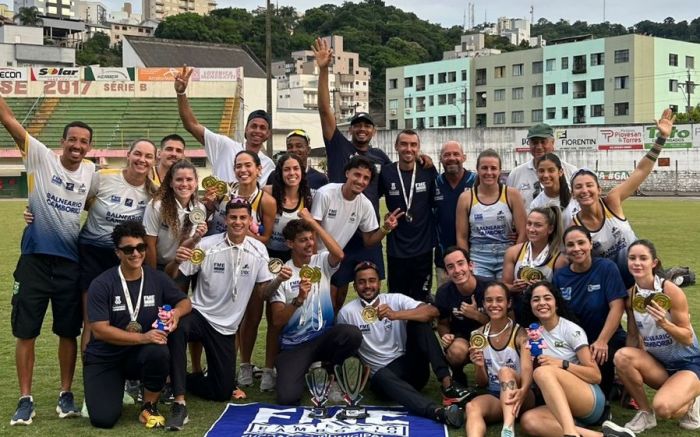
157, 10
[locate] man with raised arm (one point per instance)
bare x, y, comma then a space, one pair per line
220, 149
47, 270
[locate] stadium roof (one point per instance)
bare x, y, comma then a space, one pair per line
158, 52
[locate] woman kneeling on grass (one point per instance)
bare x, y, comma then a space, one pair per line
498, 367
670, 358
565, 372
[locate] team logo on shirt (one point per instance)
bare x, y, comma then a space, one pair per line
149, 301
421, 187
593, 287
332, 213
117, 300
393, 191
82, 189
70, 186
524, 186
566, 293
219, 267
500, 216
129, 202
378, 167
245, 270
559, 344
56, 180
479, 217
115, 199
352, 218
142, 203
118, 306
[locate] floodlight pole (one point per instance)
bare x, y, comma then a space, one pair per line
268, 67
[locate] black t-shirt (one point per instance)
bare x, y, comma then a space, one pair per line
315, 178
339, 150
418, 236
449, 299
106, 303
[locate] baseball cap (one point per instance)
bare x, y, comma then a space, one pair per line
300, 133
360, 116
541, 130
260, 113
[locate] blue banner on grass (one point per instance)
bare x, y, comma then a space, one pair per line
266, 420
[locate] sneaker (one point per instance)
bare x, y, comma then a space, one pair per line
134, 389
507, 431
245, 375
691, 420
150, 416
66, 406
84, 411
452, 416
178, 417
641, 421
24, 412
456, 394
268, 381
611, 429
166, 395
126, 399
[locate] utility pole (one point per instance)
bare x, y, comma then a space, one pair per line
268, 67
688, 89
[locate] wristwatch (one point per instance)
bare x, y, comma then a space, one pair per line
565, 364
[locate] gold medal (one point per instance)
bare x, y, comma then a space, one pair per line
639, 304
662, 300
197, 257
316, 277
209, 182
478, 341
275, 265
133, 326
528, 273
221, 188
369, 314
306, 272
197, 216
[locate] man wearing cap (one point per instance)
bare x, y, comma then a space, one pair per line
220, 149
540, 138
299, 143
339, 150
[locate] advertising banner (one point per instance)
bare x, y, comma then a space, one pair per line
216, 74
681, 137
111, 74
158, 74
621, 138
13, 74
55, 73
583, 138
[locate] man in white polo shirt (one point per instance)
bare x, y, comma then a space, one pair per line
234, 266
398, 344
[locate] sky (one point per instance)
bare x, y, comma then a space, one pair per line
451, 12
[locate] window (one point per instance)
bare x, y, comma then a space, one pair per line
536, 115
551, 89
565, 87
622, 56
622, 82
408, 123
673, 85
431, 122
481, 76
408, 82
420, 123
420, 104
551, 64
452, 76
393, 84
431, 79
464, 75
517, 116
622, 108
442, 121
499, 118
393, 124
673, 59
442, 77
499, 72
442, 99
551, 113
408, 102
451, 99
597, 111
689, 62
518, 93
597, 85
499, 95
564, 63
420, 83
564, 112
518, 69
394, 104
537, 91
431, 100
579, 64
452, 120
537, 67
597, 59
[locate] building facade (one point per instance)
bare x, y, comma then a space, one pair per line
160, 9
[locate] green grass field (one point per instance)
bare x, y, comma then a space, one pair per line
669, 223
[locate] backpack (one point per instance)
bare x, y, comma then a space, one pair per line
681, 276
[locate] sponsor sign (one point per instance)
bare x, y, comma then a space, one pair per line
576, 138
621, 138
696, 135
521, 144
158, 74
216, 74
113, 74
13, 74
55, 73
681, 137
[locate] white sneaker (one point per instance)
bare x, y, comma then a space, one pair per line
245, 375
642, 421
268, 381
691, 420
507, 431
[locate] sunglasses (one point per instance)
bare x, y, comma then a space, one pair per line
299, 133
582, 171
363, 265
239, 202
129, 250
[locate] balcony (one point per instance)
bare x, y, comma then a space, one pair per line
420, 108
579, 119
481, 81
579, 94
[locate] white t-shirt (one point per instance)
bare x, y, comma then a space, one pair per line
567, 215
341, 217
384, 340
167, 243
226, 279
524, 179
56, 198
222, 150
116, 201
564, 340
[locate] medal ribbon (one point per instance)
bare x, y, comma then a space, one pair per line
236, 265
133, 312
529, 262
408, 200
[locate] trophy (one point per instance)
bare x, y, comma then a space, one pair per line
319, 382
352, 376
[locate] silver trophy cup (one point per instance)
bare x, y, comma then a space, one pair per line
319, 381
352, 376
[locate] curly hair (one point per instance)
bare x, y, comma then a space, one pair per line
278, 183
166, 195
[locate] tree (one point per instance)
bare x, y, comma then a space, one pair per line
29, 17
96, 51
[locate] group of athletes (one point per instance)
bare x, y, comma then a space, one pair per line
533, 276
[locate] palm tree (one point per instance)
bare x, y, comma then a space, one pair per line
29, 17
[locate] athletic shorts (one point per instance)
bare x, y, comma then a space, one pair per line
598, 407
346, 271
94, 261
691, 364
40, 279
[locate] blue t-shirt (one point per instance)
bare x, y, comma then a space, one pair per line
590, 293
445, 211
418, 236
